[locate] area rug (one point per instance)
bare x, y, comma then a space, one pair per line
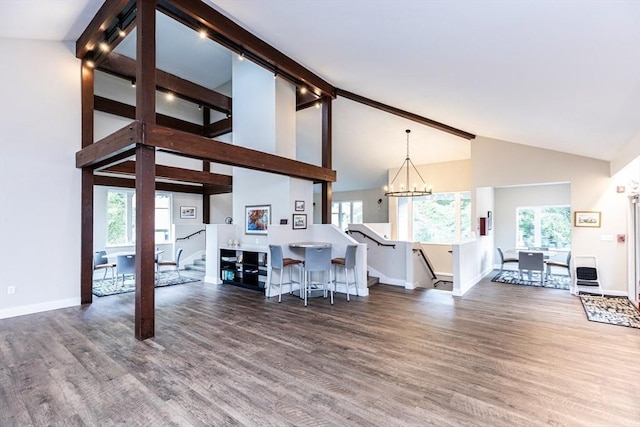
102, 288
513, 277
612, 310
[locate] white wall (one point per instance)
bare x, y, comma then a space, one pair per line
39, 184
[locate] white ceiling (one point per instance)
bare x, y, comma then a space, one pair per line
558, 75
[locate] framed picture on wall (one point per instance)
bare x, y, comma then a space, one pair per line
257, 219
187, 212
489, 220
299, 205
299, 221
586, 219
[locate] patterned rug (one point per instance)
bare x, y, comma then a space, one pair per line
102, 288
612, 310
513, 277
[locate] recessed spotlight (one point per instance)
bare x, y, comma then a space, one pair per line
169, 96
121, 32
203, 34
104, 47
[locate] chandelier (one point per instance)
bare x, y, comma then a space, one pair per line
416, 190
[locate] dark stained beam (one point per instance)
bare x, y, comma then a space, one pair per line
404, 114
124, 67
94, 32
196, 13
233, 155
144, 323
327, 157
115, 181
215, 129
107, 149
129, 111
86, 207
206, 167
308, 104
176, 174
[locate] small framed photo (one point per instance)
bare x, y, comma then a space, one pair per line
299, 205
284, 221
489, 220
257, 219
187, 212
299, 221
586, 219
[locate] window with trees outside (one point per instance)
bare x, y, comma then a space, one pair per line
345, 213
543, 226
121, 218
442, 218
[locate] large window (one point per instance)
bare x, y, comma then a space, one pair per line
121, 218
345, 213
543, 226
442, 218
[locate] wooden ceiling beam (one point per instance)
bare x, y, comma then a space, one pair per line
174, 173
114, 181
101, 22
128, 111
196, 13
125, 67
220, 152
221, 127
111, 148
404, 114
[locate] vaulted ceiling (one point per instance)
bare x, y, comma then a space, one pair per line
558, 75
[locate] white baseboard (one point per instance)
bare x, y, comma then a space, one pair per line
38, 308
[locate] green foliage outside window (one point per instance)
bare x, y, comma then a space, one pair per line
116, 218
544, 226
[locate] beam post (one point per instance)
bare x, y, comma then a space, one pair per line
327, 158
145, 171
86, 227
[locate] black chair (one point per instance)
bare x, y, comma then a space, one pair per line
100, 263
504, 260
175, 263
587, 274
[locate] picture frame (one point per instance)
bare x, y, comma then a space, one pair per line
586, 218
489, 220
257, 219
299, 221
187, 212
299, 205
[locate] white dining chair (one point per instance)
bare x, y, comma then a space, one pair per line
348, 263
280, 263
317, 260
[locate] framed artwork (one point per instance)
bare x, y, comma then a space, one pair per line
299, 206
257, 219
187, 212
489, 220
586, 219
299, 221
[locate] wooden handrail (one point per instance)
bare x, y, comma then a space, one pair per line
371, 238
190, 235
434, 276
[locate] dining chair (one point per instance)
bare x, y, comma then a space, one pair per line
348, 263
175, 263
317, 260
531, 261
551, 263
280, 263
126, 264
504, 260
100, 263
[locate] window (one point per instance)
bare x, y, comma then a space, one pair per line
345, 213
121, 218
543, 226
442, 218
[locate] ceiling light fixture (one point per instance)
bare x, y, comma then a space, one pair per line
415, 191
303, 90
121, 32
133, 83
104, 47
169, 96
241, 56
203, 34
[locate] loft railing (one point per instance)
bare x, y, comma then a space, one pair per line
190, 235
371, 238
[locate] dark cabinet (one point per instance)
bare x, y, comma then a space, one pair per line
243, 268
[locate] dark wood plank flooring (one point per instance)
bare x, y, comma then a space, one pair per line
502, 355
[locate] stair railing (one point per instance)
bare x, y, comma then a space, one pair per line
434, 276
190, 235
371, 238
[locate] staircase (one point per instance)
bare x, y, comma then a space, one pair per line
198, 265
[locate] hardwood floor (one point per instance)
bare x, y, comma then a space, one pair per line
502, 355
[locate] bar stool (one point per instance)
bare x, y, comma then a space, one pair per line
317, 260
347, 263
278, 262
